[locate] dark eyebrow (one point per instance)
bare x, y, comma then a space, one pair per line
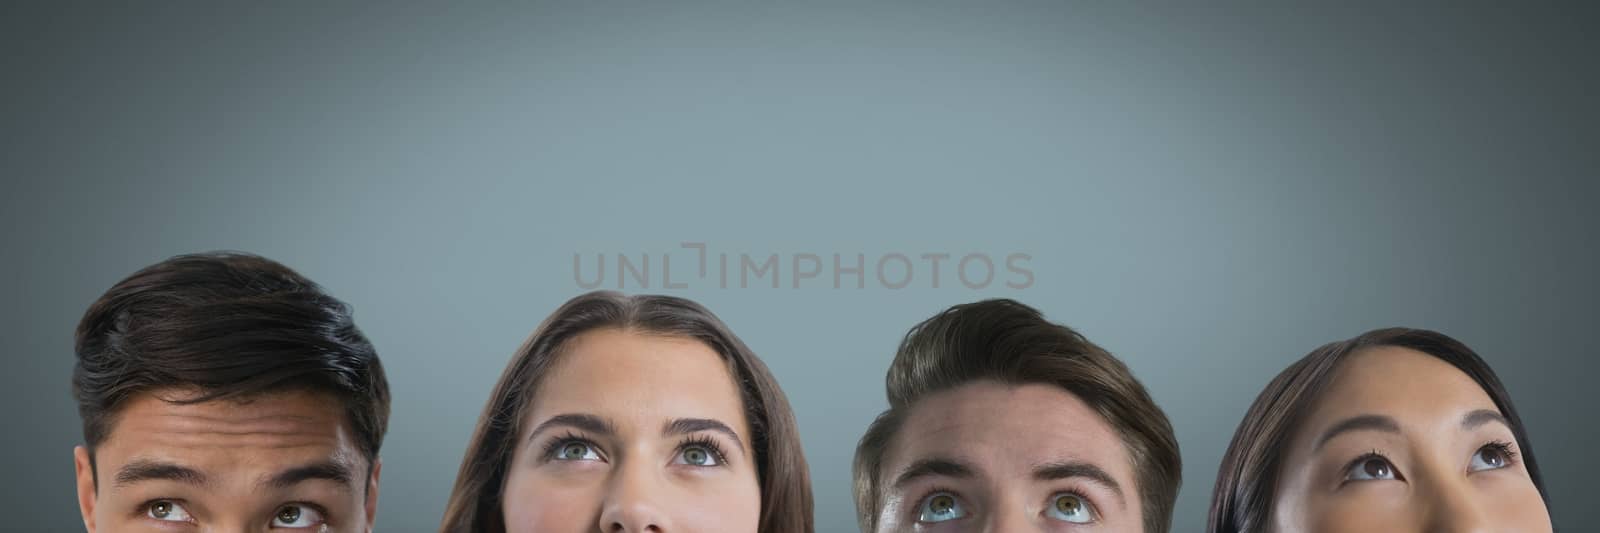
683, 426
589, 423
150, 469
936, 466
1358, 423
328, 471
1074, 469
1480, 417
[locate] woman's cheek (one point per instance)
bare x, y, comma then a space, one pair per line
533, 505
728, 505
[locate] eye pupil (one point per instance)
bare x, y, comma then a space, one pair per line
289, 514
941, 504
161, 509
1493, 458
695, 456
1376, 468
1068, 505
573, 451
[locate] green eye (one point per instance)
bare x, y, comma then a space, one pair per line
1068, 507
697, 455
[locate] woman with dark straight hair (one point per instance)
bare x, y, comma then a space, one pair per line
1394, 430
633, 413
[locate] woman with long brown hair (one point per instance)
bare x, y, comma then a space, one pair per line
633, 413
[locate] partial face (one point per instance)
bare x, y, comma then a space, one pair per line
1402, 441
281, 462
993, 457
634, 432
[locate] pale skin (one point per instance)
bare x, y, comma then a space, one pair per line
634, 432
279, 461
1403, 441
993, 457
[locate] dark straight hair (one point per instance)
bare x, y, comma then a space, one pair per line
229, 325
1247, 482
475, 503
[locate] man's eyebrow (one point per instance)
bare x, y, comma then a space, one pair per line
327, 471
151, 469
1480, 417
1359, 423
684, 426
585, 422
1075, 469
936, 466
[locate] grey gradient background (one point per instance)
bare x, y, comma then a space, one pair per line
1209, 191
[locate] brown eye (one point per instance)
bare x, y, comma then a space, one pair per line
298, 516
167, 511
1492, 456
1370, 467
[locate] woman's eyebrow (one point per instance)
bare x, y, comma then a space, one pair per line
1359, 423
684, 426
586, 422
1480, 417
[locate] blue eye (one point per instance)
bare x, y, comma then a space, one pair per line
1492, 456
167, 511
575, 451
1371, 467
1069, 507
940, 507
297, 516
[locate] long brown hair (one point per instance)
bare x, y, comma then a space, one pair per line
1248, 478
475, 503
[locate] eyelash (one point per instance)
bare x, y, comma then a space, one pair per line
323, 511
556, 444
711, 445
1504, 448
938, 489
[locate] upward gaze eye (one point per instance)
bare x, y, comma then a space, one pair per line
940, 507
698, 455
296, 516
1370, 467
1492, 456
167, 511
1069, 507
574, 450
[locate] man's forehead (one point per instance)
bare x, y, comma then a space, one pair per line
295, 425
1010, 427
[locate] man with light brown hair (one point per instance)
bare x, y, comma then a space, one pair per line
1000, 420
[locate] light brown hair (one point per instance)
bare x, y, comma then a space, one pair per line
475, 503
1007, 341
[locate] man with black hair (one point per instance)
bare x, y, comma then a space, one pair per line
225, 392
